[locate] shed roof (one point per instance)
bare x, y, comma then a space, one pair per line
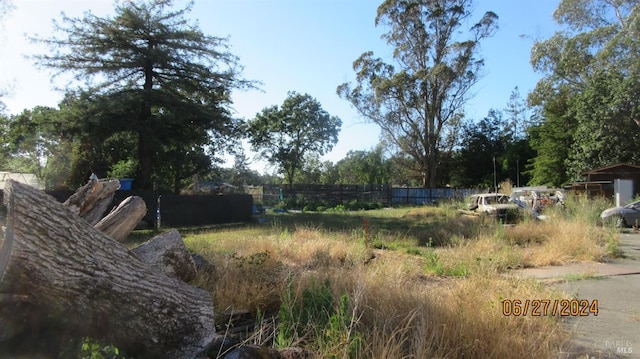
614, 169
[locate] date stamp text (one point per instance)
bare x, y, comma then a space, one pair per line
544, 307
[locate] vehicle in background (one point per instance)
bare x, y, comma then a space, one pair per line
625, 216
538, 199
495, 205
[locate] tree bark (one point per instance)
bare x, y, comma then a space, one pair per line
93, 199
58, 272
123, 219
168, 253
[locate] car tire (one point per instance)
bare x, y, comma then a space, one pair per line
620, 222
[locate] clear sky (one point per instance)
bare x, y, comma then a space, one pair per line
306, 46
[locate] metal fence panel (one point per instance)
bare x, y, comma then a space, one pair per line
205, 209
420, 195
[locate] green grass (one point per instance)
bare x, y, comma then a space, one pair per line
581, 276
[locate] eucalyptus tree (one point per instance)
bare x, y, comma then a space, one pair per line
590, 84
149, 71
418, 103
286, 135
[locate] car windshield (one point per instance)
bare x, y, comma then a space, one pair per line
635, 205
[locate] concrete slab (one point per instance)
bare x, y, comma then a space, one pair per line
615, 331
584, 269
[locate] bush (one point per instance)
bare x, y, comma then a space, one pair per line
338, 208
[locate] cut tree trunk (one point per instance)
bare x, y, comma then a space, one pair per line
168, 253
58, 273
123, 219
92, 200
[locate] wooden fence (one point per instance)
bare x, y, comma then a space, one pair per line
330, 194
270, 195
419, 195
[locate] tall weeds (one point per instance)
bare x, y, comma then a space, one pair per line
407, 283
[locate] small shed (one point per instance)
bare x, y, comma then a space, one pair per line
601, 181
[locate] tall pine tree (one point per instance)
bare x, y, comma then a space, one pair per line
150, 72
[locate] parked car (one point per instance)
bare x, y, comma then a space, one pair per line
625, 216
496, 205
538, 199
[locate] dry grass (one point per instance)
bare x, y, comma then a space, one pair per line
435, 290
556, 241
448, 318
565, 242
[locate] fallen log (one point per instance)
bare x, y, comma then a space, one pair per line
168, 253
60, 275
123, 219
93, 199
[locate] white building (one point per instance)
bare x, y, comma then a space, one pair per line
26, 178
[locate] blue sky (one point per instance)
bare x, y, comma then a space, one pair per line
306, 46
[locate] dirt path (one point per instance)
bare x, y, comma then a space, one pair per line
615, 331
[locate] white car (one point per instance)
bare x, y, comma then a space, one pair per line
493, 204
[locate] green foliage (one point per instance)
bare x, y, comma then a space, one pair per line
492, 138
313, 171
123, 169
416, 112
286, 135
587, 97
338, 208
93, 350
432, 264
482, 143
552, 139
606, 133
157, 78
287, 324
240, 174
613, 245
318, 320
365, 167
35, 141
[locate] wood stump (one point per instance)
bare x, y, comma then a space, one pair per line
59, 275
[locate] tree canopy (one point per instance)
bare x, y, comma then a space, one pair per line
285, 135
150, 75
418, 104
589, 91
365, 167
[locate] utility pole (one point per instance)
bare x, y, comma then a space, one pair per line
495, 179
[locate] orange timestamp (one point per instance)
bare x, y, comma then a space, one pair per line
544, 307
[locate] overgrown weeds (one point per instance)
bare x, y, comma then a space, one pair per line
412, 282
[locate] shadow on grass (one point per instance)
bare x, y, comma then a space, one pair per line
424, 227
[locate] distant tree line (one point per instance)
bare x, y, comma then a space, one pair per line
155, 104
